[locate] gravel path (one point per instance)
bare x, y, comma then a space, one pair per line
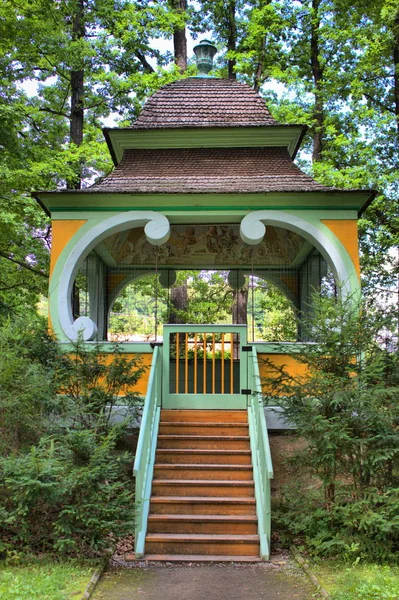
279, 579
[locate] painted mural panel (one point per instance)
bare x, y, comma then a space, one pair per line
205, 246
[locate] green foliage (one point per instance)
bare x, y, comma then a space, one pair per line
346, 407
274, 314
91, 384
42, 579
71, 495
65, 486
210, 299
28, 398
360, 581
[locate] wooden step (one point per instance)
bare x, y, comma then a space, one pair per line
200, 472
193, 558
195, 428
222, 524
199, 543
193, 487
206, 505
203, 456
205, 416
204, 442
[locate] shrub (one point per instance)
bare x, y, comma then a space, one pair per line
64, 485
27, 393
92, 383
71, 495
346, 407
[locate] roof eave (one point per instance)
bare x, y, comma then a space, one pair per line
36, 196
364, 207
128, 138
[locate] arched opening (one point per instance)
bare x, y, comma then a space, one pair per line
202, 275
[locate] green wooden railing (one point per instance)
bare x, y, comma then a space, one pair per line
146, 448
261, 457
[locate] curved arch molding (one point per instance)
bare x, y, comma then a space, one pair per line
253, 229
157, 230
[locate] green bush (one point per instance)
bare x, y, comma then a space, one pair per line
346, 408
28, 399
71, 495
64, 485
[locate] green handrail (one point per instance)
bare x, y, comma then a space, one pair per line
145, 454
261, 457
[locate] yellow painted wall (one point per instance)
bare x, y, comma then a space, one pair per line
293, 367
346, 232
141, 387
62, 232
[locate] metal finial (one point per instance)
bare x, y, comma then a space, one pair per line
204, 53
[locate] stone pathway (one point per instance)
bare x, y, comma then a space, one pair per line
276, 580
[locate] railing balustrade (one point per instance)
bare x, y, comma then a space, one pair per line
145, 454
261, 457
203, 362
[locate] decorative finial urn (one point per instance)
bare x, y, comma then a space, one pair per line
204, 53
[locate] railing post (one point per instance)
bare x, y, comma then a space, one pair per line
145, 453
261, 457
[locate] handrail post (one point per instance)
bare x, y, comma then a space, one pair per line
146, 449
261, 457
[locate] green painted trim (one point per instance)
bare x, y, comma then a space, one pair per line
122, 139
203, 401
195, 208
108, 347
261, 456
143, 469
89, 202
311, 217
279, 347
217, 214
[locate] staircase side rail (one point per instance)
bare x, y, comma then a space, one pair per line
145, 454
261, 456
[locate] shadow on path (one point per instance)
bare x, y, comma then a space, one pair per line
277, 580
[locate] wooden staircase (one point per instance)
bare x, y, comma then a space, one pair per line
203, 505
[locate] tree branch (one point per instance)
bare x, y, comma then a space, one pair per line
23, 265
55, 112
144, 61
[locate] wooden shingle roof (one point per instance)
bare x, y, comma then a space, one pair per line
204, 102
207, 170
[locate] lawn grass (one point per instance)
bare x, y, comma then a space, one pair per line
44, 579
358, 582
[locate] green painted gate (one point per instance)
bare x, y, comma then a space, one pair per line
203, 367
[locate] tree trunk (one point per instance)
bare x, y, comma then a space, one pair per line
396, 71
259, 68
77, 91
179, 302
231, 37
317, 74
239, 314
179, 37
240, 307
